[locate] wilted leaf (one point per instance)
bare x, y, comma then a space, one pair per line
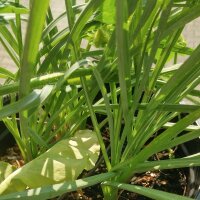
63, 162
5, 170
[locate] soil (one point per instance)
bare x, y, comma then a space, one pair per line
13, 156
174, 181
167, 180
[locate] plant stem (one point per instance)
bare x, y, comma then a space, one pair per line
34, 32
96, 126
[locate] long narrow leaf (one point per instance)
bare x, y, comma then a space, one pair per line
55, 190
148, 192
12, 8
30, 101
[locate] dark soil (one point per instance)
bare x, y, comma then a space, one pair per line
173, 180
167, 180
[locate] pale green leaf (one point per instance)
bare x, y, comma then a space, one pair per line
51, 191
4, 73
5, 170
108, 12
63, 162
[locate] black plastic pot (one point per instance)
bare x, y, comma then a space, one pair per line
193, 185
189, 148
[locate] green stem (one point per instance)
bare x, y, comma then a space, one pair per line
19, 35
34, 32
96, 125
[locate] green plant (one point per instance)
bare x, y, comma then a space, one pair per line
46, 113
43, 107
139, 95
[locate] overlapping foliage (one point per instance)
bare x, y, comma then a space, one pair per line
132, 77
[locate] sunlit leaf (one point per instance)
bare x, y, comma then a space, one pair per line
12, 8
148, 192
108, 12
4, 73
50, 191
63, 162
5, 170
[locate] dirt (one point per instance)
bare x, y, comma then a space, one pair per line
174, 181
13, 156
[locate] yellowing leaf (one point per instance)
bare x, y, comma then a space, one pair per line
5, 170
63, 162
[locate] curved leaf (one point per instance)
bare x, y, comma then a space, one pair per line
13, 8
63, 162
4, 73
5, 170
55, 190
32, 100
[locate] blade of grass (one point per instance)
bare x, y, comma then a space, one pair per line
19, 34
52, 191
70, 13
161, 142
182, 18
33, 99
124, 65
151, 193
73, 37
6, 35
163, 59
47, 79
95, 124
4, 73
108, 111
161, 107
13, 8
192, 161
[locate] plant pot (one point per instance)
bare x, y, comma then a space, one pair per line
193, 185
189, 148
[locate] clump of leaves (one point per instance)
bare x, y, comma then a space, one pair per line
127, 82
